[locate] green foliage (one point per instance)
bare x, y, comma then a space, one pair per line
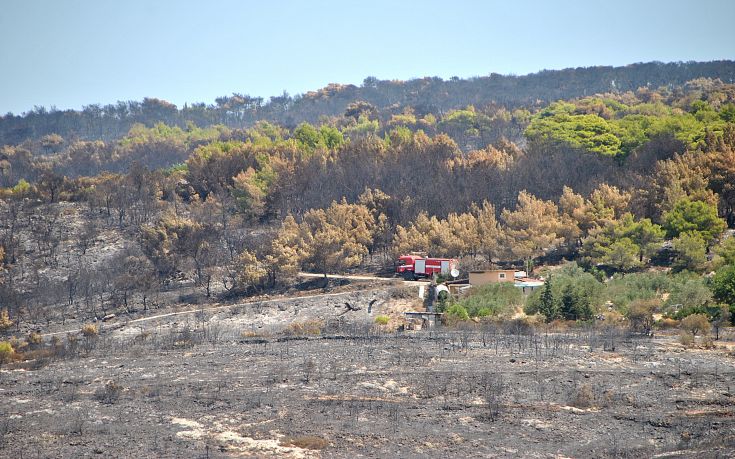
725, 252
624, 244
6, 352
180, 168
363, 127
307, 136
457, 312
22, 188
690, 252
382, 320
570, 294
558, 124
693, 216
727, 113
723, 285
611, 128
622, 255
624, 289
546, 304
492, 299
332, 138
688, 293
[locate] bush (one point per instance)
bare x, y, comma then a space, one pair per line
5, 322
640, 314
696, 323
686, 338
305, 442
723, 285
584, 398
382, 320
667, 323
457, 312
110, 393
34, 338
492, 299
6, 352
90, 330
627, 288
308, 327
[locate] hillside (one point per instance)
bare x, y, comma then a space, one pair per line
219, 281
389, 97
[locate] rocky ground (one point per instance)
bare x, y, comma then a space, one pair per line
310, 378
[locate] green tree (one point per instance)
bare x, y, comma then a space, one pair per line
547, 305
723, 285
690, 252
725, 252
693, 216
644, 233
623, 255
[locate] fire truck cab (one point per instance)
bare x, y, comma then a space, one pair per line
412, 267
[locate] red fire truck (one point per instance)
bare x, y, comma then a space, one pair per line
412, 267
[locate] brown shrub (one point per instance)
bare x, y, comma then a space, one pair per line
307, 327
696, 324
686, 338
306, 442
90, 330
5, 322
108, 394
584, 398
34, 338
667, 323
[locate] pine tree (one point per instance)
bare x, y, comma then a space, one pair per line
547, 307
568, 304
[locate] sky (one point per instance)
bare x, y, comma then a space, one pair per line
71, 53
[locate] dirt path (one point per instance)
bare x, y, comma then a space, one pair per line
366, 277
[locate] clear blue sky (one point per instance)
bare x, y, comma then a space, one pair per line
77, 52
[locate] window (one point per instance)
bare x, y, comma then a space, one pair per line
501, 276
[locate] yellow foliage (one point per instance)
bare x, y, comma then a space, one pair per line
5, 322
90, 330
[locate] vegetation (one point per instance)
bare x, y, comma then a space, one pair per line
237, 197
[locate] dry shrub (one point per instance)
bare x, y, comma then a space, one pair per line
535, 320
34, 338
614, 317
108, 394
307, 327
306, 442
90, 330
17, 344
708, 342
253, 334
5, 322
667, 323
696, 324
584, 397
559, 326
686, 338
403, 293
